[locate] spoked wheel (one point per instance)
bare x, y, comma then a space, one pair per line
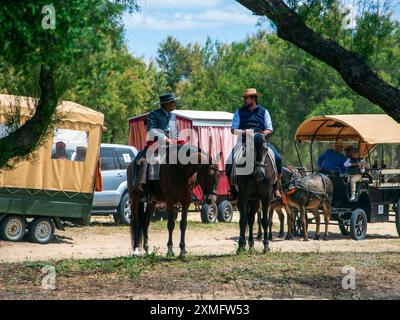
209, 213
225, 211
298, 227
344, 227
358, 225
397, 219
41, 230
12, 228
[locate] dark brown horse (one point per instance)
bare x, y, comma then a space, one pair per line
255, 189
175, 185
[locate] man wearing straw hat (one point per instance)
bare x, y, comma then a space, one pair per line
161, 125
252, 117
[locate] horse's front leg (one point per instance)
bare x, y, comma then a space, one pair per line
265, 222
183, 224
242, 206
252, 215
303, 217
327, 214
171, 226
270, 223
135, 223
146, 223
259, 233
290, 222
281, 221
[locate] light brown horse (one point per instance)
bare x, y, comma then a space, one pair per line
175, 185
310, 193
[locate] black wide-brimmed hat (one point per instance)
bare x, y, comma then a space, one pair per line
168, 97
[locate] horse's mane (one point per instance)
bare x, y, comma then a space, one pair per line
191, 149
259, 146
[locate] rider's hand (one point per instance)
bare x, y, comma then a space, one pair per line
249, 132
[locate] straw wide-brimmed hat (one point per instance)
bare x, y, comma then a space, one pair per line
251, 92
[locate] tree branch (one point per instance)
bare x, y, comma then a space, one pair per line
353, 69
28, 137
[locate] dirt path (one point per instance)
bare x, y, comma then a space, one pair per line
104, 240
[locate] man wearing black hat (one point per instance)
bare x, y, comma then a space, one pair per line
161, 126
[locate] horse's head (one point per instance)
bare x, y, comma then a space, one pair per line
207, 173
260, 155
207, 177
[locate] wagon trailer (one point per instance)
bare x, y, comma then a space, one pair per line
56, 183
210, 130
379, 189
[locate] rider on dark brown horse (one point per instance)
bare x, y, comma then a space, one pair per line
161, 123
253, 117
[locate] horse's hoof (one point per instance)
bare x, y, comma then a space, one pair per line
240, 250
316, 237
281, 235
183, 253
259, 237
136, 252
170, 254
326, 238
266, 250
252, 250
306, 239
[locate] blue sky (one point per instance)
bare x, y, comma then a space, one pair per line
190, 21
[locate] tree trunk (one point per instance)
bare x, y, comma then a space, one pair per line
353, 69
28, 137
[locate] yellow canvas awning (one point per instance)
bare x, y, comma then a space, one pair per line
66, 110
371, 129
41, 171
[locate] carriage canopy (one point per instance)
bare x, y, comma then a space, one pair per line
367, 129
67, 159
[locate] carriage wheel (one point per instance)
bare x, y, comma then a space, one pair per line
41, 230
358, 225
225, 212
344, 227
12, 228
209, 213
397, 219
298, 227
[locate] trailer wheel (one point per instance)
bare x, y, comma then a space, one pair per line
209, 213
344, 228
397, 219
358, 225
41, 230
12, 228
225, 212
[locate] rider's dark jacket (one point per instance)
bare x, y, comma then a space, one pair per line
160, 119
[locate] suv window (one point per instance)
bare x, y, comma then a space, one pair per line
107, 159
125, 157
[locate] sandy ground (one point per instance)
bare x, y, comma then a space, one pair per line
105, 240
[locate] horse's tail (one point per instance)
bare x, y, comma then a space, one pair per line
258, 146
137, 208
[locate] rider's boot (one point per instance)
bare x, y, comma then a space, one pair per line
278, 186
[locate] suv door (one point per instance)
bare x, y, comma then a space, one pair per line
109, 169
124, 157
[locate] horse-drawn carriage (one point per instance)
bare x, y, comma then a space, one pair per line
210, 130
56, 183
378, 192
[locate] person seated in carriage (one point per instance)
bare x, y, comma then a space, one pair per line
253, 118
355, 168
332, 160
161, 124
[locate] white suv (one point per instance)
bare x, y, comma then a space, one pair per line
114, 198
